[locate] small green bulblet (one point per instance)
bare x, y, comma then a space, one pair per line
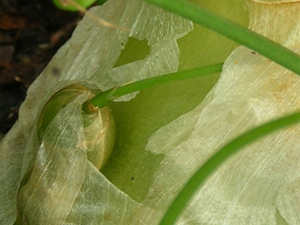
98, 125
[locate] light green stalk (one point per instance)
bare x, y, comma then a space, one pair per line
106, 97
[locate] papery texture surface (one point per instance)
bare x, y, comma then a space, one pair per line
51, 181
259, 185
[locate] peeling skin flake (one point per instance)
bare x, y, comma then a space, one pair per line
93, 50
51, 181
260, 185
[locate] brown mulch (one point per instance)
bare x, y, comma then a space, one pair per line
31, 31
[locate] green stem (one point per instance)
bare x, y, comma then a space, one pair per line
231, 148
235, 32
106, 97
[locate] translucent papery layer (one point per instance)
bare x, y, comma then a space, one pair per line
64, 187
93, 50
45, 181
259, 185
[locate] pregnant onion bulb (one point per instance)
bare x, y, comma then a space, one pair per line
98, 125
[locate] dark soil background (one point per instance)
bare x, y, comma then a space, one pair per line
31, 31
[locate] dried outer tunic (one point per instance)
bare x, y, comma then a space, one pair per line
51, 181
260, 185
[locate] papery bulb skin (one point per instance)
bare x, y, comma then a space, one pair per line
98, 126
57, 102
99, 131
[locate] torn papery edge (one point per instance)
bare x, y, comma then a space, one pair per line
257, 186
88, 57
